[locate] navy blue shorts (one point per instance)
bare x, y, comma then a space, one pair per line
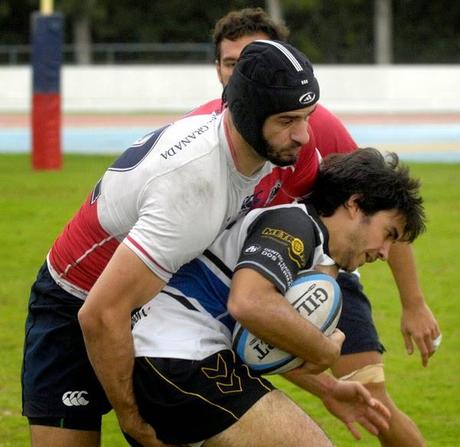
356, 318
58, 382
191, 400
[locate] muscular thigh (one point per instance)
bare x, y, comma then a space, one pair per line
42, 436
272, 421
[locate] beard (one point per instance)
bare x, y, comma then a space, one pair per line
281, 156
355, 243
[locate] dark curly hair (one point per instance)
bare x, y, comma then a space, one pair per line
245, 22
380, 182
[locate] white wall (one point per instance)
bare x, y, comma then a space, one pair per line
390, 88
176, 88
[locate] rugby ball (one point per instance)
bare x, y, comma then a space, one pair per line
317, 297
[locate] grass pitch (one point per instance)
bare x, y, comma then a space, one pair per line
34, 206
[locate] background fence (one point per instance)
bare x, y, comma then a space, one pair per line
179, 88
120, 53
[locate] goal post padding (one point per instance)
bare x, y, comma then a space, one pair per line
47, 38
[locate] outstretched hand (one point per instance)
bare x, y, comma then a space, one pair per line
420, 326
352, 403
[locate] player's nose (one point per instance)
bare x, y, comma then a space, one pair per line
299, 133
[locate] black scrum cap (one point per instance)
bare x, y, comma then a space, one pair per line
270, 77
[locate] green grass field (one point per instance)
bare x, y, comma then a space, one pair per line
34, 207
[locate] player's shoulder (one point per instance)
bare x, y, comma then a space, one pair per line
191, 137
198, 124
185, 142
291, 217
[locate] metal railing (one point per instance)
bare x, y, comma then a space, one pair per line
120, 53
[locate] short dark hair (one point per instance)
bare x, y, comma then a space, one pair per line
245, 22
381, 183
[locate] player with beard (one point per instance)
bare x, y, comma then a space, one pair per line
160, 204
362, 350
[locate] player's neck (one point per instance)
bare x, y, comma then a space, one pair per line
247, 160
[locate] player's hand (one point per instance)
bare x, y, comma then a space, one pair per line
420, 326
352, 403
337, 338
135, 427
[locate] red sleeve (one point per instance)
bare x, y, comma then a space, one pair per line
327, 135
300, 181
330, 134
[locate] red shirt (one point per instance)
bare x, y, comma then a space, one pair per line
327, 135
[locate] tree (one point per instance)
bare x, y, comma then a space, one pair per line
328, 31
332, 31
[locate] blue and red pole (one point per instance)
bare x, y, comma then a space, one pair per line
47, 38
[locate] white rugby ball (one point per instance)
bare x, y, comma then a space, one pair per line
317, 297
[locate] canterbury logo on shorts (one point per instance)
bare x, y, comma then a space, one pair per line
75, 398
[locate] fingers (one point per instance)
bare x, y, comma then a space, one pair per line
369, 426
374, 422
372, 414
382, 410
433, 343
352, 429
376, 419
408, 343
425, 350
364, 394
145, 435
419, 327
337, 337
425, 346
436, 342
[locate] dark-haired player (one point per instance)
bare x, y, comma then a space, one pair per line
187, 375
158, 206
362, 350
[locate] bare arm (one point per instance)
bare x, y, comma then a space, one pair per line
259, 307
105, 319
417, 321
350, 402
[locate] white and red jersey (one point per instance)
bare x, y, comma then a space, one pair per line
167, 197
327, 135
173, 191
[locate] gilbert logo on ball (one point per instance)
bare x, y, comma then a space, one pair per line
317, 297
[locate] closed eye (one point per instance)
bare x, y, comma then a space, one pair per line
229, 63
286, 121
393, 234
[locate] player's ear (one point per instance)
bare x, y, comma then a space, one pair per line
352, 204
